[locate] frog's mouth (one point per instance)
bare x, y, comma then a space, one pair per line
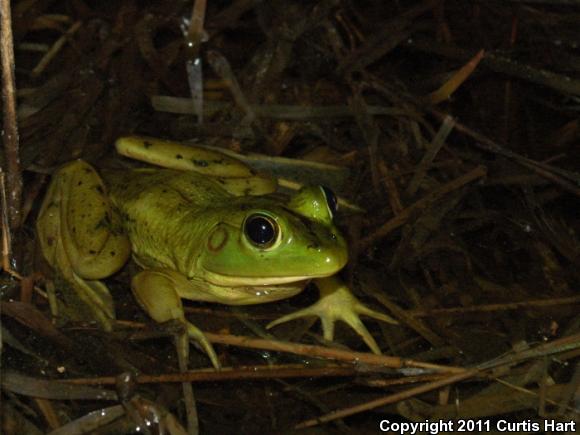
221, 279
261, 294
250, 295
247, 291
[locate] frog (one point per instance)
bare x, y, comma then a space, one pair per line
202, 226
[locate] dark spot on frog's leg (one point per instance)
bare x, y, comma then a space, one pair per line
50, 241
74, 229
99, 188
113, 253
87, 170
200, 163
80, 183
178, 156
104, 222
92, 252
252, 172
147, 144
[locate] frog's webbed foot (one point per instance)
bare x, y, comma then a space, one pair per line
338, 303
158, 293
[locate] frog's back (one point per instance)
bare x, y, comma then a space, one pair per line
167, 186
164, 211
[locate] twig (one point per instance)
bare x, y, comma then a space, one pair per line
504, 65
222, 67
194, 34
561, 345
370, 132
539, 303
11, 144
194, 67
571, 390
6, 252
329, 353
532, 393
56, 47
228, 374
450, 86
229, 16
549, 2
6, 236
568, 180
555, 346
392, 34
165, 103
401, 218
393, 398
404, 380
429, 156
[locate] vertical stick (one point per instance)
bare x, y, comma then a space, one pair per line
10, 133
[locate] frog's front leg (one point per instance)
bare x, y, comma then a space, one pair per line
81, 237
158, 292
338, 303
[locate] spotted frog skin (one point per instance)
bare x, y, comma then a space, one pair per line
204, 227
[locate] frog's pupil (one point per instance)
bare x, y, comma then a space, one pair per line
330, 200
260, 230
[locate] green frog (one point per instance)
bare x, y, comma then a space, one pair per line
205, 227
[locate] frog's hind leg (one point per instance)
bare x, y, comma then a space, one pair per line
81, 236
232, 174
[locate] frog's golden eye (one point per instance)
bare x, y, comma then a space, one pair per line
261, 230
331, 200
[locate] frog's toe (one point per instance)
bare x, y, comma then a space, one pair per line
306, 312
195, 334
85, 300
362, 309
350, 316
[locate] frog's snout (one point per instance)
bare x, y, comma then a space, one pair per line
331, 260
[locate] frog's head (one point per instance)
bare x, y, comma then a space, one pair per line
264, 243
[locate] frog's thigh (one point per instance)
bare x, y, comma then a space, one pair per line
77, 226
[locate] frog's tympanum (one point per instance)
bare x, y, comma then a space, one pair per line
203, 228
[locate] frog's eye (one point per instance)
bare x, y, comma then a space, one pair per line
261, 230
331, 200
